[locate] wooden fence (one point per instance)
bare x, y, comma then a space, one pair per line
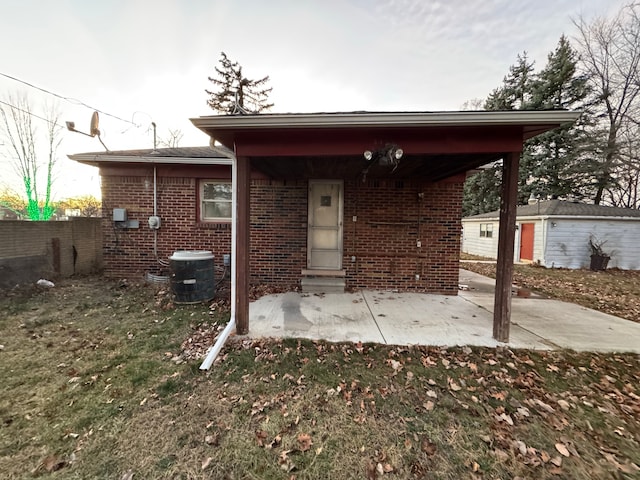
50, 250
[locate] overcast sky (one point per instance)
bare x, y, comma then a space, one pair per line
148, 60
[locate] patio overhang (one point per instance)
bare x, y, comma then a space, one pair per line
436, 145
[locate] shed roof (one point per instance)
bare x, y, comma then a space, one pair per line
564, 208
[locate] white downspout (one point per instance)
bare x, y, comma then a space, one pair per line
155, 210
213, 352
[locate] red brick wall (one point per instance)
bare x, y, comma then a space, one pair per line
278, 231
391, 217
129, 253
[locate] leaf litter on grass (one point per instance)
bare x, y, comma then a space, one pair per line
294, 408
612, 291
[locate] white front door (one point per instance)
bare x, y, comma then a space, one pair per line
324, 243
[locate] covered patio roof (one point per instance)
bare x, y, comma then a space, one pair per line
436, 145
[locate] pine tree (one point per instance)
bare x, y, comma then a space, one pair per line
482, 190
558, 163
235, 93
515, 92
555, 161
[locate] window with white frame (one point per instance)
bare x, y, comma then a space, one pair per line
486, 230
215, 201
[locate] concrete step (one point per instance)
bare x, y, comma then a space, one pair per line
322, 284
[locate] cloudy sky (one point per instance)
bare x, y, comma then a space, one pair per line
140, 61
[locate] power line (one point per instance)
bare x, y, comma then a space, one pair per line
54, 124
70, 100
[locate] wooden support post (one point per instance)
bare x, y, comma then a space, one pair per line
242, 245
506, 237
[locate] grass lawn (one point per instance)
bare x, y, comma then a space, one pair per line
99, 380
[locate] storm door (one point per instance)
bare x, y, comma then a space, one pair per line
324, 242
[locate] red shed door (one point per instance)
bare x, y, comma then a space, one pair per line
526, 241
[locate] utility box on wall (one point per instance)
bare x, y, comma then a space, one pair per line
119, 214
120, 219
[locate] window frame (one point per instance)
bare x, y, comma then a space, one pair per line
202, 201
486, 230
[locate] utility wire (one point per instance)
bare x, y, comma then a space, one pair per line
70, 100
32, 114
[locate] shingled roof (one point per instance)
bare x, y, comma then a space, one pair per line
563, 208
179, 155
177, 152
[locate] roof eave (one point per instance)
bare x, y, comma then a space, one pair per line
98, 160
393, 119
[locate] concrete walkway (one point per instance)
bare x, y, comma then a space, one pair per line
423, 319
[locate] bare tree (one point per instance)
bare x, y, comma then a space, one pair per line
172, 140
610, 51
19, 131
627, 191
473, 104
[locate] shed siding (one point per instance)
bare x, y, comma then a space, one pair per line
564, 243
568, 243
474, 244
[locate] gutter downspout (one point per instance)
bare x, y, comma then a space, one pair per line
545, 231
213, 352
155, 211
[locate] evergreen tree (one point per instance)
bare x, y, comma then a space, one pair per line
554, 161
235, 93
482, 190
515, 92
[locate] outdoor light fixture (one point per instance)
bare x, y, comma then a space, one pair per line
389, 155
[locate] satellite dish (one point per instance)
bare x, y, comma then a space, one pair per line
93, 129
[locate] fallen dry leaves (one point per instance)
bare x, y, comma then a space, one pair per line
612, 291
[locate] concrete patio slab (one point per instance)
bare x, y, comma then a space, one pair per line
424, 319
337, 317
561, 324
414, 318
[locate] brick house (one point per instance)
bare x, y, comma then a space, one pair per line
363, 200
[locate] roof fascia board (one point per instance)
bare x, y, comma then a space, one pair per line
148, 159
479, 220
588, 217
354, 120
556, 217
